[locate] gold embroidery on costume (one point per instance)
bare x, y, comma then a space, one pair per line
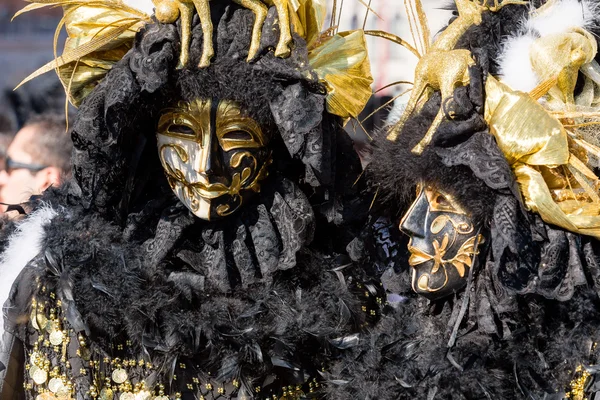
51, 373
577, 386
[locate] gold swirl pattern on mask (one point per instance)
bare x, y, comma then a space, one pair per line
463, 258
239, 181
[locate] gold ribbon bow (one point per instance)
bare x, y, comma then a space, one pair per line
548, 161
100, 32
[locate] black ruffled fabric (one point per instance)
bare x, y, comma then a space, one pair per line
246, 301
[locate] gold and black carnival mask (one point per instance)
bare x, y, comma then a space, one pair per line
443, 243
214, 156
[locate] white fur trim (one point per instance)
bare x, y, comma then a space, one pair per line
23, 245
515, 65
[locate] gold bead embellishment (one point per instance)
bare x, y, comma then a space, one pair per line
50, 374
578, 384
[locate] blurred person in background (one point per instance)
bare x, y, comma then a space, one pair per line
38, 157
7, 132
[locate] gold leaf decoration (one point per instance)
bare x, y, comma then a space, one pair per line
99, 33
342, 64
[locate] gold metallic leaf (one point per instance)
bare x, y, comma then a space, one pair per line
99, 33
342, 64
310, 16
538, 148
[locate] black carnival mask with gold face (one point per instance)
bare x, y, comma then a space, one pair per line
213, 154
443, 243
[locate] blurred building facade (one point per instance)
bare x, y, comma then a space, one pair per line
390, 62
26, 42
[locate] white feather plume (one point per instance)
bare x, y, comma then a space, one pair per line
515, 67
23, 245
514, 62
563, 15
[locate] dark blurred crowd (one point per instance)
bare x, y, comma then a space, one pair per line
35, 145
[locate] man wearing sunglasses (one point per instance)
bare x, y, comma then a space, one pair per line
38, 157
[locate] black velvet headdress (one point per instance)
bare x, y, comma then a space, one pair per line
114, 134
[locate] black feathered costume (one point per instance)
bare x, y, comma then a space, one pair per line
527, 324
131, 296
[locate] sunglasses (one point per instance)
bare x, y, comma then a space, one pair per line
10, 165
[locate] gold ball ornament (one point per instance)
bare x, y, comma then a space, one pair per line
166, 11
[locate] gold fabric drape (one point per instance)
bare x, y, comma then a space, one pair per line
554, 181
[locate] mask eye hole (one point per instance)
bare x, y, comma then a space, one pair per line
182, 130
237, 135
441, 201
